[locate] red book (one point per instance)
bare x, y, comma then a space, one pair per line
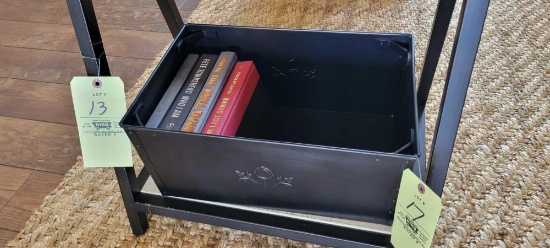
233, 100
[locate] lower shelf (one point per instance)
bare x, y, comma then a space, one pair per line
151, 188
308, 228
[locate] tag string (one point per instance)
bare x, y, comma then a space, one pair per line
98, 67
98, 63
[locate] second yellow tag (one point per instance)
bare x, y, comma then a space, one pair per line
416, 213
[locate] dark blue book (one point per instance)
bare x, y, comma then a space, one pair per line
187, 96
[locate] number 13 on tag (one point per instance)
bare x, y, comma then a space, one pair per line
99, 105
416, 213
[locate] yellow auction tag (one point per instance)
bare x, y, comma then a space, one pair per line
99, 105
416, 213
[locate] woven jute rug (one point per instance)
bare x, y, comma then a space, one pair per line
497, 190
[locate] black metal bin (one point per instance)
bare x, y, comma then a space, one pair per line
329, 130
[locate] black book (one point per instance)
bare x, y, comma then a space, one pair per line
172, 91
187, 96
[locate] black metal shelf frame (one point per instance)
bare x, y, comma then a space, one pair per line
137, 203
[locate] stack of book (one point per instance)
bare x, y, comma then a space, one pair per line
208, 95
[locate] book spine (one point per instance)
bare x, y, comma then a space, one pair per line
172, 91
210, 92
230, 100
188, 94
239, 108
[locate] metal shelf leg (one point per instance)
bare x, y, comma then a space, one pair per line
171, 16
440, 27
463, 56
127, 182
88, 37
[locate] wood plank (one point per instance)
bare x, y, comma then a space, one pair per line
38, 11
133, 3
38, 145
115, 17
11, 178
44, 36
37, 101
120, 17
134, 44
128, 69
127, 3
38, 65
61, 67
27, 199
6, 236
32, 1
56, 37
144, 19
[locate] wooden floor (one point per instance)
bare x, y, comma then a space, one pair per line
38, 57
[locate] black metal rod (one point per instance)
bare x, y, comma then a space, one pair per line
440, 27
127, 182
171, 16
88, 37
463, 56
